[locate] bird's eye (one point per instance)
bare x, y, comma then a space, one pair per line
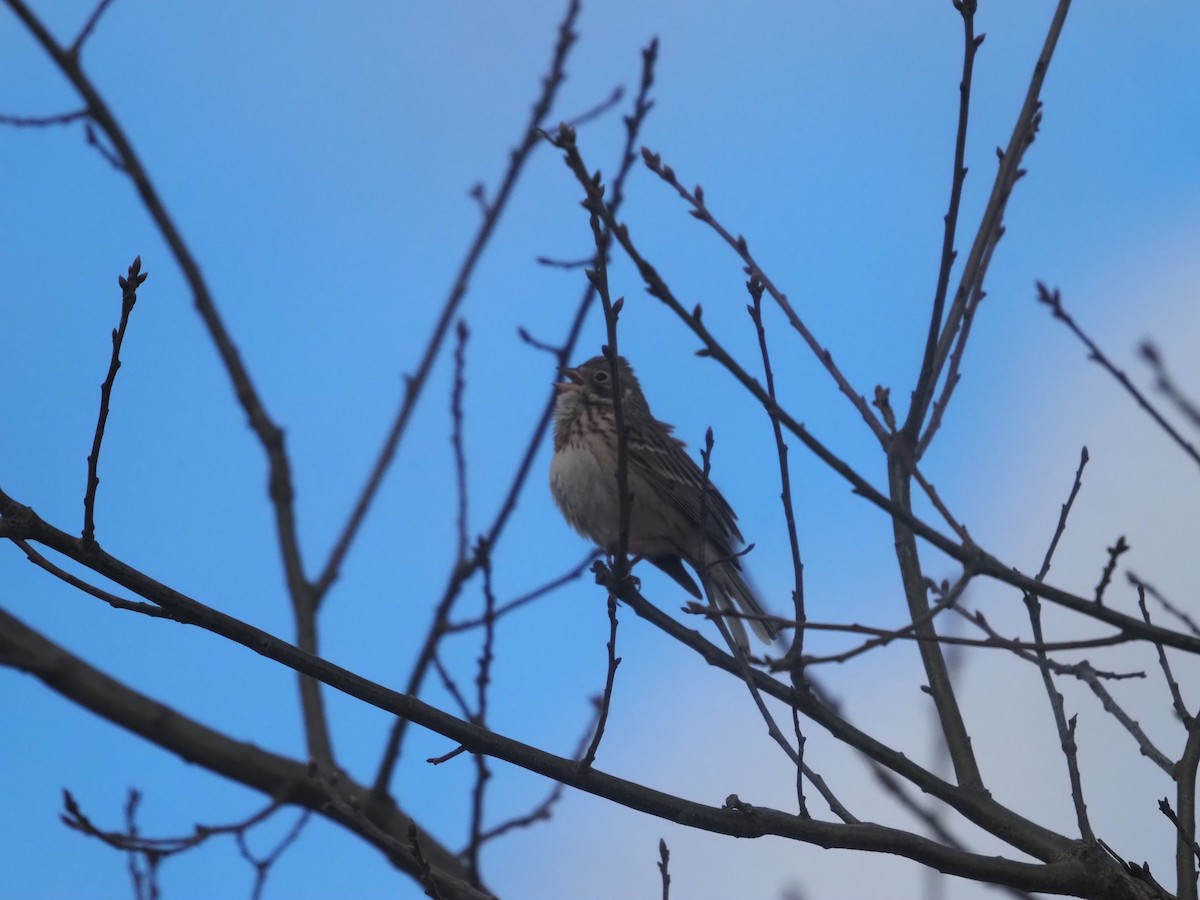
600, 377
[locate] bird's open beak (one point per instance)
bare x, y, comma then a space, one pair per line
573, 383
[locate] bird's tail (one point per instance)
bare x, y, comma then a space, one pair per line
727, 588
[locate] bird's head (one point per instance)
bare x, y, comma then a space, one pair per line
592, 383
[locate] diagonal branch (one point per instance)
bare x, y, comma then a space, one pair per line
701, 212
916, 595
147, 609
1166, 386
976, 806
1063, 869
269, 435
971, 43
1065, 727
991, 229
633, 125
287, 779
275, 776
967, 553
1053, 299
415, 383
1181, 709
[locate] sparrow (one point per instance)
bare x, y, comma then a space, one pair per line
676, 515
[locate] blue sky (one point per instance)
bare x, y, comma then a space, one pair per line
318, 160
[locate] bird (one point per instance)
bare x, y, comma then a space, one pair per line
676, 514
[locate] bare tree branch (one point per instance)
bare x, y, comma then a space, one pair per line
1187, 852
700, 211
633, 125
927, 376
1053, 299
755, 287
129, 285
275, 776
269, 435
991, 228
415, 383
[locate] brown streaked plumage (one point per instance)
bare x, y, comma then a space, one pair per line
669, 497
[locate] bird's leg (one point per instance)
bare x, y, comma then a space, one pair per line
610, 555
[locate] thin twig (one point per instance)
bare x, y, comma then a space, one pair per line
145, 883
609, 679
884, 636
738, 648
454, 691
446, 757
1053, 299
108, 154
598, 277
129, 286
801, 740
664, 857
456, 435
483, 680
1089, 675
1181, 709
926, 379
1025, 649
146, 609
1166, 384
1164, 603
262, 866
1066, 727
1064, 512
835, 805
528, 597
129, 840
89, 26
934, 498
568, 264
49, 121
700, 211
1164, 807
1114, 553
991, 227
755, 288
618, 93
543, 811
952, 379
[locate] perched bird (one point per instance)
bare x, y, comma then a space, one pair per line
675, 516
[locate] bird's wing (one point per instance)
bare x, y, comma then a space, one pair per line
661, 461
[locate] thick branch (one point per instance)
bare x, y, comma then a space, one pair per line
275, 776
954, 729
976, 805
